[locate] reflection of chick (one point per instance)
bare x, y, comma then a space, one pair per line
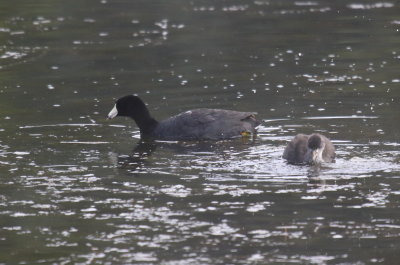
309, 149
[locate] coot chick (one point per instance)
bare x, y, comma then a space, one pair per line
309, 149
197, 124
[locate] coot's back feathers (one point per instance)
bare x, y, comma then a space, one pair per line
296, 149
211, 124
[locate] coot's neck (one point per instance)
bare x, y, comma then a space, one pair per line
146, 124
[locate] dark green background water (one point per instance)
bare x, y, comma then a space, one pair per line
77, 189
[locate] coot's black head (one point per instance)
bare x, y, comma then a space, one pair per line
133, 107
129, 106
315, 142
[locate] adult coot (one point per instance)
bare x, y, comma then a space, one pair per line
197, 124
309, 149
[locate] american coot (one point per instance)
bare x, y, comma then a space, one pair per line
309, 149
197, 124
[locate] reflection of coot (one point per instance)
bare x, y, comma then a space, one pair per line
197, 124
145, 148
309, 149
140, 154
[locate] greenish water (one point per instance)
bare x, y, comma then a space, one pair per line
78, 189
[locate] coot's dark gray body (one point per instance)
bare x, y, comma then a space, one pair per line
197, 124
309, 149
213, 124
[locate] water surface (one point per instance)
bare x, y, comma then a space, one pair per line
75, 188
